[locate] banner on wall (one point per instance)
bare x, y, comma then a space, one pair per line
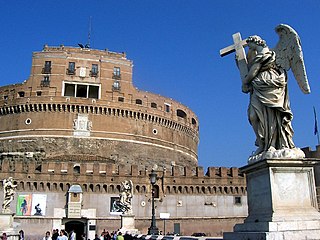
24, 205
114, 206
39, 204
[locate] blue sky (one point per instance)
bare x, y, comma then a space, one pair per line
175, 48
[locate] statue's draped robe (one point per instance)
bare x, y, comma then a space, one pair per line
270, 101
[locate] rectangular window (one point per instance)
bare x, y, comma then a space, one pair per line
94, 70
237, 200
167, 107
93, 92
39, 93
82, 91
69, 90
45, 82
47, 67
116, 73
71, 68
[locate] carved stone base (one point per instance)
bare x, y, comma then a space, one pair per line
127, 224
281, 201
6, 226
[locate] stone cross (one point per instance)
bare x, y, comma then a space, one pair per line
238, 47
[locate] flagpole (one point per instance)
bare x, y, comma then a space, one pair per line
316, 132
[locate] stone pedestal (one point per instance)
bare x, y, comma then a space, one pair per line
281, 201
127, 224
6, 226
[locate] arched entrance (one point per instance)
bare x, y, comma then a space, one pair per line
78, 226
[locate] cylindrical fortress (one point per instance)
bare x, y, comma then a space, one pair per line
81, 102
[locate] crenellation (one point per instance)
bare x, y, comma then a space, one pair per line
199, 172
102, 170
176, 171
135, 171
234, 172
188, 171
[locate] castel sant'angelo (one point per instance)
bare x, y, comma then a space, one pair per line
77, 128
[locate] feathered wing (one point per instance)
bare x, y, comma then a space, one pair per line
289, 55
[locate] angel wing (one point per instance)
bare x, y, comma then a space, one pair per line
289, 55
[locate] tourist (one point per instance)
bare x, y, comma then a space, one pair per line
72, 235
96, 237
55, 234
21, 235
4, 236
63, 235
107, 236
127, 236
119, 236
47, 237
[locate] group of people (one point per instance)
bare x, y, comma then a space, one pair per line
114, 235
5, 237
61, 235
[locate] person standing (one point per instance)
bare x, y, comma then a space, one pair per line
119, 236
47, 237
72, 235
62, 235
55, 234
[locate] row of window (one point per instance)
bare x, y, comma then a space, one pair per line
71, 70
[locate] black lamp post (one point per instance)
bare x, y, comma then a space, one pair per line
153, 230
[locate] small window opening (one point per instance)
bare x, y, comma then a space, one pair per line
237, 200
139, 101
21, 94
94, 70
153, 105
167, 107
181, 113
71, 68
120, 99
76, 169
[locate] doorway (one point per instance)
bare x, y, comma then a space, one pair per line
77, 226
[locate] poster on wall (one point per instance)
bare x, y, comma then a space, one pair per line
39, 204
114, 206
24, 205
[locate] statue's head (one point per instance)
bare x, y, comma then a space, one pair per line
257, 40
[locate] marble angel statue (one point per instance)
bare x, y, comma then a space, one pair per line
126, 194
8, 194
269, 110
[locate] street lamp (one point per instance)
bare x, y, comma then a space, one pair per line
153, 230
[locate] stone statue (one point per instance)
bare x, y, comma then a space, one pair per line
8, 193
126, 194
264, 77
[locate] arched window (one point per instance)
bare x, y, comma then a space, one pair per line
76, 169
153, 105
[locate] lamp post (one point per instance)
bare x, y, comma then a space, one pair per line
153, 230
